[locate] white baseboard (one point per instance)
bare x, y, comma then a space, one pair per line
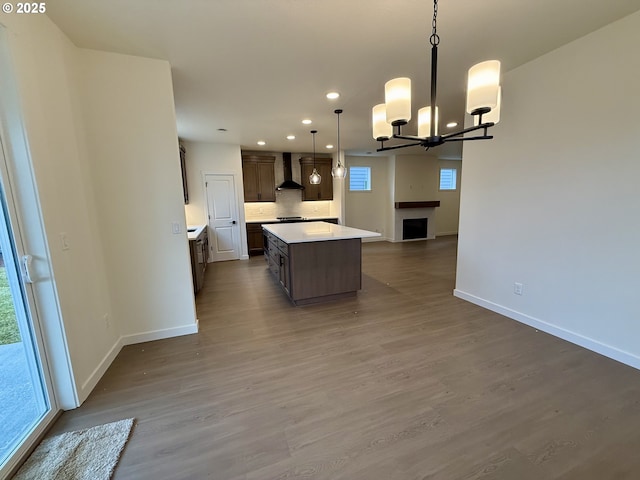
160, 334
87, 387
429, 237
374, 239
586, 342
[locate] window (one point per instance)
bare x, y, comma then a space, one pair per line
448, 178
360, 179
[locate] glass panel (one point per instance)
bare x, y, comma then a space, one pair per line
448, 178
359, 179
23, 399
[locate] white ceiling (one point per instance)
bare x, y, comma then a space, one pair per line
258, 67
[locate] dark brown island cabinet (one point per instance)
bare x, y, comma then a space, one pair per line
258, 178
315, 261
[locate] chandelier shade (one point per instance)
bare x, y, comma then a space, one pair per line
424, 122
483, 85
397, 98
381, 129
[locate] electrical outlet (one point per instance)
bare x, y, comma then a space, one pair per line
107, 323
517, 288
176, 228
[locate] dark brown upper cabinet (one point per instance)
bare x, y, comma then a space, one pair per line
322, 191
258, 178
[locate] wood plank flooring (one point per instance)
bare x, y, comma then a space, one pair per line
402, 382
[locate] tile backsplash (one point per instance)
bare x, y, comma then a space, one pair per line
288, 204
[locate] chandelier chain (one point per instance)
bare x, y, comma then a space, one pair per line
435, 38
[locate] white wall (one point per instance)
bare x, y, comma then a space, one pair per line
202, 158
44, 64
418, 179
402, 178
134, 161
102, 143
552, 202
370, 210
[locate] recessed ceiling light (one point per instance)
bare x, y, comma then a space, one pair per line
291, 137
329, 146
333, 95
452, 124
261, 142
306, 121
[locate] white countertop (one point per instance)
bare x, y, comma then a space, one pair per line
198, 230
315, 232
276, 220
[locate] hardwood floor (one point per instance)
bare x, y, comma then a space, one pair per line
402, 382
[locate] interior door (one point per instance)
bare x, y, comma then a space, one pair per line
223, 217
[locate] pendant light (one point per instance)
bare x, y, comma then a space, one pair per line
339, 171
314, 178
483, 99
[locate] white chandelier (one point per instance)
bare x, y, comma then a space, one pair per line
483, 102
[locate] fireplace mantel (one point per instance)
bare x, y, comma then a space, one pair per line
428, 204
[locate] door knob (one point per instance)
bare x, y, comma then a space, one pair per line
233, 222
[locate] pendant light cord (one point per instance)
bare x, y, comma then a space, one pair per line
313, 133
434, 39
338, 112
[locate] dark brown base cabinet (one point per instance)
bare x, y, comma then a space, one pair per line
255, 239
199, 249
313, 272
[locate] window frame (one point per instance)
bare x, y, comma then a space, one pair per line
454, 179
368, 169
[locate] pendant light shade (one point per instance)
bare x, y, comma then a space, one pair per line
314, 178
424, 122
397, 98
339, 171
483, 85
382, 130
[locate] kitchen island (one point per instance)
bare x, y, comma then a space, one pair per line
315, 261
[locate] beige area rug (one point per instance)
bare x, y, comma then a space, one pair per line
90, 454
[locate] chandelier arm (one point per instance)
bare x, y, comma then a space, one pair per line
399, 146
409, 137
464, 139
447, 136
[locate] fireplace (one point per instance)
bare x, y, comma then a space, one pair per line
413, 228
414, 221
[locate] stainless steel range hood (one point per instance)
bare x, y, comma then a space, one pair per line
288, 183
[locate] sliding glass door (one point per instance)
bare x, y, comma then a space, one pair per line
25, 396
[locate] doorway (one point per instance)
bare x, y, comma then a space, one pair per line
222, 208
